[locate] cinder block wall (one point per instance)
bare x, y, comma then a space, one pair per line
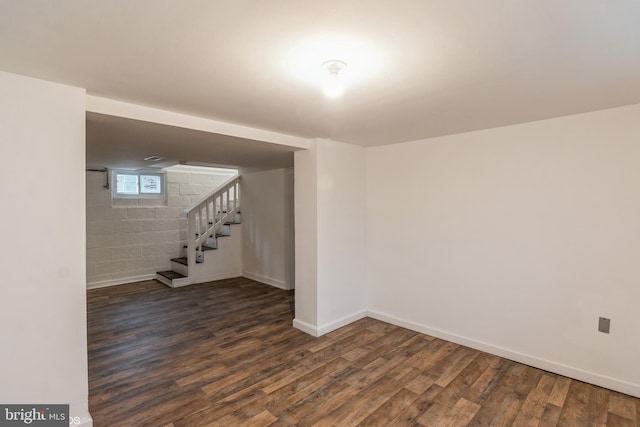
132, 239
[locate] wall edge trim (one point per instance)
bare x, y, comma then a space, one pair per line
305, 327
343, 321
281, 284
120, 281
86, 421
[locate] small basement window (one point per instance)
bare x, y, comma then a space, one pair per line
136, 184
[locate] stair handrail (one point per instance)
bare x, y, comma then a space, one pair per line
208, 216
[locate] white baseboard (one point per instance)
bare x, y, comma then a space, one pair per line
121, 281
305, 327
328, 327
337, 324
267, 280
547, 365
85, 421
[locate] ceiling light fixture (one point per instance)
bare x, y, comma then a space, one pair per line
334, 78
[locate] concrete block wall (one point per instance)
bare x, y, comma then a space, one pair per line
131, 239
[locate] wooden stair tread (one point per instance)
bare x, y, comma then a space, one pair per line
171, 274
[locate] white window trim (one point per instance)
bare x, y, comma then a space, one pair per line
159, 196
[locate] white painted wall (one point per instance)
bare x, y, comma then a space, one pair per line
129, 240
306, 235
342, 283
330, 202
42, 296
267, 226
515, 240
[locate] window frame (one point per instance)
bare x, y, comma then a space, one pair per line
140, 194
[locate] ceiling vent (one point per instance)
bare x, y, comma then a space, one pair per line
153, 158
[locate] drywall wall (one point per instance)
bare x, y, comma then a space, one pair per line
129, 240
515, 240
342, 284
306, 235
42, 296
267, 227
331, 286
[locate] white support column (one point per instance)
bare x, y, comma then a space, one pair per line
330, 216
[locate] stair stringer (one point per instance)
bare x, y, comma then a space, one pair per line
223, 263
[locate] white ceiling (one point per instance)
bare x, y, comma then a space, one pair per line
431, 67
121, 143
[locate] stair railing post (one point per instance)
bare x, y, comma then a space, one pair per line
207, 228
218, 213
191, 239
227, 207
232, 200
237, 196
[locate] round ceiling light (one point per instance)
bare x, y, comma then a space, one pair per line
334, 78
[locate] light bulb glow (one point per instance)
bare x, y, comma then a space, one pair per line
306, 62
334, 80
333, 88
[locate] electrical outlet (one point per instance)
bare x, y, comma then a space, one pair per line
603, 325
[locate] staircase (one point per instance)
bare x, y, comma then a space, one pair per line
208, 222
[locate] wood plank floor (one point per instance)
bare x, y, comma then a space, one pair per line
225, 354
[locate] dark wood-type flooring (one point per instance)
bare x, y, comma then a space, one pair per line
225, 354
